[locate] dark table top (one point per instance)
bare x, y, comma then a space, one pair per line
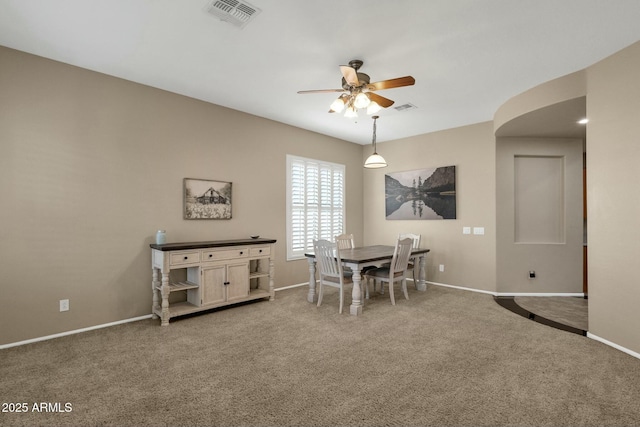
369, 253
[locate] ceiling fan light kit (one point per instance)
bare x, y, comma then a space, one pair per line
337, 105
375, 160
373, 108
357, 93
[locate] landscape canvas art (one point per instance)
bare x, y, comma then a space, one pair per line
205, 199
421, 194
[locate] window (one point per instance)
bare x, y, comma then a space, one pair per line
315, 203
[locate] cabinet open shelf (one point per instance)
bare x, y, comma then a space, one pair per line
180, 286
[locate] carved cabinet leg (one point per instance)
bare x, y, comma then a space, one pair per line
155, 293
164, 290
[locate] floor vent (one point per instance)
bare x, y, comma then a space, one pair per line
235, 12
405, 107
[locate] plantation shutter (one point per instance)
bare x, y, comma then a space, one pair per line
315, 203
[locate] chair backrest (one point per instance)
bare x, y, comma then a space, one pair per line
401, 256
414, 237
345, 241
327, 259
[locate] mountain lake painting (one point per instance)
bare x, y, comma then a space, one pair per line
421, 194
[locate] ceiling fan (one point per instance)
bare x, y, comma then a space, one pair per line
358, 92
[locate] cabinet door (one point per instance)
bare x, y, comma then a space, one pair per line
238, 281
213, 288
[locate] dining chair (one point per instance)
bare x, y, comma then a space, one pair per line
345, 241
416, 245
329, 267
411, 265
397, 269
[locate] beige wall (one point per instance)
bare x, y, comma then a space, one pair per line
558, 266
613, 198
469, 260
91, 166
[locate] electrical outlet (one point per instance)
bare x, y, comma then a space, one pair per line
441, 268
532, 274
64, 305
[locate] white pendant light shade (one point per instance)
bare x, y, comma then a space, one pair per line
375, 160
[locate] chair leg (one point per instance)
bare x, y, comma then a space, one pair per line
320, 293
415, 282
341, 299
404, 288
393, 300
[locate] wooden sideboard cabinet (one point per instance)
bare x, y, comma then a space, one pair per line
214, 274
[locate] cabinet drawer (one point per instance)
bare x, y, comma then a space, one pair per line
260, 250
216, 255
179, 258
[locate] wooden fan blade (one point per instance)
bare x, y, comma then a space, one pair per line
350, 75
321, 91
380, 100
389, 84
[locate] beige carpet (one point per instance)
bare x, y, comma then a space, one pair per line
445, 357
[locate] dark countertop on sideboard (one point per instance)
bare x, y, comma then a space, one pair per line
179, 246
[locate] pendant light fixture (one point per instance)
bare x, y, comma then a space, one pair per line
375, 160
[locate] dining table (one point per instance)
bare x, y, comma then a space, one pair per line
361, 257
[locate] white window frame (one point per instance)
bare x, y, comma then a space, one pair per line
316, 206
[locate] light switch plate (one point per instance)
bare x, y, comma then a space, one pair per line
466, 230
478, 230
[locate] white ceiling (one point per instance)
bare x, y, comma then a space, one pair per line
468, 56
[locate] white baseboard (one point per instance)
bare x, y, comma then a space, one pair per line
533, 294
444, 285
291, 286
76, 331
512, 294
614, 345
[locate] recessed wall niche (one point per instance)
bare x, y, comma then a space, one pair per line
539, 199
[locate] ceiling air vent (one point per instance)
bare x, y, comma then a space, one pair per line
237, 13
405, 107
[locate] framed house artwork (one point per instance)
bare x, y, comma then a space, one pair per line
421, 194
206, 199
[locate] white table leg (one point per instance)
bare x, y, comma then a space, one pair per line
422, 284
272, 270
312, 279
356, 295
